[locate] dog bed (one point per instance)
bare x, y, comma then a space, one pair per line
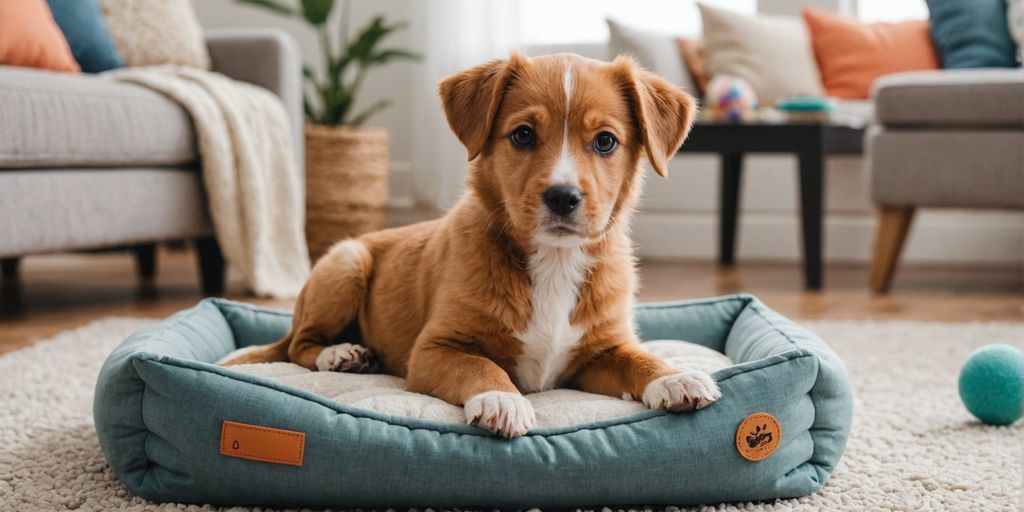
175, 427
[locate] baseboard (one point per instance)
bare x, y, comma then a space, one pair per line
936, 237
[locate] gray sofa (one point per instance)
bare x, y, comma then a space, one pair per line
942, 139
87, 162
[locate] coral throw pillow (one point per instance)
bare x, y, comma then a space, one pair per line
30, 38
851, 55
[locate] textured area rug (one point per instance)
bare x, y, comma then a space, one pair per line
914, 446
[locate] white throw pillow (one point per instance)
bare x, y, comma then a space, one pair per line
155, 32
656, 52
772, 53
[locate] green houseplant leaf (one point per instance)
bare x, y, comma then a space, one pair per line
316, 12
331, 95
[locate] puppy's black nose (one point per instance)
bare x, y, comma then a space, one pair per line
562, 199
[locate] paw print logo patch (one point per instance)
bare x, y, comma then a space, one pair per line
758, 436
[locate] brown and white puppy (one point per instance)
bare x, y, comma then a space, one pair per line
528, 282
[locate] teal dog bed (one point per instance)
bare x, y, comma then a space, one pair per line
166, 417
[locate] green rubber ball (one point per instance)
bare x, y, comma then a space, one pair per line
992, 382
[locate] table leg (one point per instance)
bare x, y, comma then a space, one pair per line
145, 260
10, 267
732, 170
211, 265
812, 191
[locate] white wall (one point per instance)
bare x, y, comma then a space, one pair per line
679, 219
391, 82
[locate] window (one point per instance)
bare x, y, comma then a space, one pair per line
891, 10
583, 21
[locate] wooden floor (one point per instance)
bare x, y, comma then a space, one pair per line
60, 292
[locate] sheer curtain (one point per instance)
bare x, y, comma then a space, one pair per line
451, 35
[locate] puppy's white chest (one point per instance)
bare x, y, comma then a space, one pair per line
556, 274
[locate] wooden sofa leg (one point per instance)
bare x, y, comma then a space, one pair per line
211, 265
145, 260
10, 267
893, 225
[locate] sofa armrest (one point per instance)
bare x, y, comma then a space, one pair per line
987, 98
269, 58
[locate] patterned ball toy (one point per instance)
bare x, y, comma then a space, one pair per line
730, 98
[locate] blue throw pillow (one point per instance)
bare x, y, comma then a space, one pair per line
972, 34
86, 31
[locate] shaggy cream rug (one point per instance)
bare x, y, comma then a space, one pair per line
913, 447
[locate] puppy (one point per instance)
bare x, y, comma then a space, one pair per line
528, 282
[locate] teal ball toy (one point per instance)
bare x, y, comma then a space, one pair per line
992, 384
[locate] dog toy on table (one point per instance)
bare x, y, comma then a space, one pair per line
992, 384
730, 98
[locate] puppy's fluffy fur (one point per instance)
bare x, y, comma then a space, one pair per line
507, 293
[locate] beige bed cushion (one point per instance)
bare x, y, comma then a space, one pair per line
772, 53
156, 32
555, 408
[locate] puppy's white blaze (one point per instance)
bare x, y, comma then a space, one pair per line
556, 274
567, 83
564, 172
557, 271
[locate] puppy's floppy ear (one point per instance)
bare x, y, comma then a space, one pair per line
663, 112
471, 99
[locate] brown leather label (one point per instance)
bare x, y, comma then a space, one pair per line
758, 436
263, 444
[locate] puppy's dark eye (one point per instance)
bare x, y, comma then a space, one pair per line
604, 143
523, 137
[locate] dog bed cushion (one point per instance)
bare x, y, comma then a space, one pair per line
555, 408
162, 410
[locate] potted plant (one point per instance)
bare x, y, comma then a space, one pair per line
346, 163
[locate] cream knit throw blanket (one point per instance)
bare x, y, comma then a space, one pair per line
252, 181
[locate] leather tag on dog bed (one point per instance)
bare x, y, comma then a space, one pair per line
262, 444
758, 436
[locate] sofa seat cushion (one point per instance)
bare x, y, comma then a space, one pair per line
51, 119
950, 168
962, 97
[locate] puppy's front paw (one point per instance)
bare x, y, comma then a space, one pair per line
506, 414
681, 391
345, 357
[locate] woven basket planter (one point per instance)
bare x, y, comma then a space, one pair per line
346, 183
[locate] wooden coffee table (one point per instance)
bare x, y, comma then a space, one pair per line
810, 141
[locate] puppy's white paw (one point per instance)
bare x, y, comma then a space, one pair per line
681, 391
345, 357
506, 414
